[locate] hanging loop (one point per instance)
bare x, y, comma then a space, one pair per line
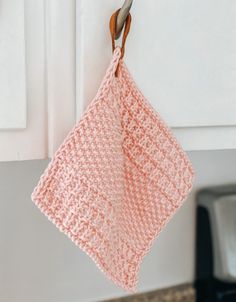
113, 21
122, 16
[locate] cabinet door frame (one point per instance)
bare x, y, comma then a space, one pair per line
61, 70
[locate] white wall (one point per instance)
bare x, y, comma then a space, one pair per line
40, 264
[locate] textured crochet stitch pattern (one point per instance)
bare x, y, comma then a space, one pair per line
117, 178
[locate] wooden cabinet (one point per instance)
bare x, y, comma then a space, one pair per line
53, 55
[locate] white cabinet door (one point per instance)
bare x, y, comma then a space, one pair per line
37, 76
12, 65
182, 55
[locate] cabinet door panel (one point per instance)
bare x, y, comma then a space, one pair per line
187, 63
12, 65
182, 55
49, 39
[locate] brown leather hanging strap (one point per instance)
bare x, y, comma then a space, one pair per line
113, 31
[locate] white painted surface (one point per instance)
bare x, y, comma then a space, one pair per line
60, 24
38, 263
50, 79
206, 138
185, 66
182, 56
12, 65
30, 142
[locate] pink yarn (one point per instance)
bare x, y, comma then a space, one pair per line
117, 179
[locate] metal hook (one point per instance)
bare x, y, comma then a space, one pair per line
121, 18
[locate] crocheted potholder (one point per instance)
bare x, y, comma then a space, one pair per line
118, 177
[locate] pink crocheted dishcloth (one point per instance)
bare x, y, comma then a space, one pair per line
117, 179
